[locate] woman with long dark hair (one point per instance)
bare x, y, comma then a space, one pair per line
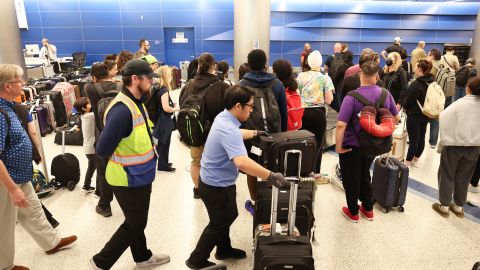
416, 121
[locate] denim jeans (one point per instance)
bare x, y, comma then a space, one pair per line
459, 92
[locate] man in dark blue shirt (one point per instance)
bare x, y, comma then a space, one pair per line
16, 171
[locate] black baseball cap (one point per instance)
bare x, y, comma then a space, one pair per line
138, 67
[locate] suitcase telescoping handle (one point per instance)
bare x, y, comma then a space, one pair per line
292, 203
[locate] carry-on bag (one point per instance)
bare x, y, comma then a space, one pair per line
72, 136
42, 115
274, 147
58, 106
68, 94
399, 142
66, 168
390, 183
277, 251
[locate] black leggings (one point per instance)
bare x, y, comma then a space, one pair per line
416, 128
92, 166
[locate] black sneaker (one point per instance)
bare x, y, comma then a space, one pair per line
88, 189
233, 253
196, 194
167, 170
199, 265
104, 211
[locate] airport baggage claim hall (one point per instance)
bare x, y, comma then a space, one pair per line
59, 58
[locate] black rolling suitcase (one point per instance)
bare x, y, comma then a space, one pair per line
274, 147
58, 105
65, 168
277, 251
390, 183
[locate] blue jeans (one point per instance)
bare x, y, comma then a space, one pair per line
433, 132
459, 92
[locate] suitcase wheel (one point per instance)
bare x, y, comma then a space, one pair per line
71, 185
401, 209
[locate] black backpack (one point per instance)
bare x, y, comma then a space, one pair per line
103, 103
373, 146
462, 76
336, 63
153, 103
266, 114
192, 122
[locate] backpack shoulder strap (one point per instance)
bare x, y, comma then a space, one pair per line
9, 124
383, 97
359, 97
445, 59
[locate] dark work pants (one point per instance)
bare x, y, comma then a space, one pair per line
92, 166
134, 202
355, 169
416, 128
476, 174
222, 211
105, 190
163, 150
457, 164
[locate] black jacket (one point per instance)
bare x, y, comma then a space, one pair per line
417, 90
396, 83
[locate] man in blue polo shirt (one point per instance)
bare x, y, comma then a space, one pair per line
18, 200
223, 156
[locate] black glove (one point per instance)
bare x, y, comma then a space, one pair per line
261, 133
277, 180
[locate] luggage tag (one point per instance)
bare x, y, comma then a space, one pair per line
256, 151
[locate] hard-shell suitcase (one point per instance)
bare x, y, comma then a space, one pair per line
58, 106
274, 147
68, 93
305, 201
66, 168
390, 183
284, 251
42, 115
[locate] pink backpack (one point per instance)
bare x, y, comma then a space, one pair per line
294, 109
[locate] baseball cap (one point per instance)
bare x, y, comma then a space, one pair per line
138, 67
397, 39
150, 59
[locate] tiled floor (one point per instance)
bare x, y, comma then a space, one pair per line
416, 239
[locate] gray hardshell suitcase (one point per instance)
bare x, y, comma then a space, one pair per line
390, 183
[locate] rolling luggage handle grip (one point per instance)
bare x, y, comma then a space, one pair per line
292, 205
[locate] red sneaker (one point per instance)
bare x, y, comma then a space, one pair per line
366, 214
349, 216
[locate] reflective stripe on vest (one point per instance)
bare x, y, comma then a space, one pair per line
129, 160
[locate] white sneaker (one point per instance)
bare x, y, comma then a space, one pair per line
154, 260
93, 266
473, 189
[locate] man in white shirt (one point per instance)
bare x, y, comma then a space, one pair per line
48, 51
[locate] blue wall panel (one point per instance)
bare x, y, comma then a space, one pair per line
101, 27
363, 24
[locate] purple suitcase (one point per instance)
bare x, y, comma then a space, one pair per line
390, 183
42, 115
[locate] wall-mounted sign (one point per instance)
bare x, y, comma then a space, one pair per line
21, 14
180, 38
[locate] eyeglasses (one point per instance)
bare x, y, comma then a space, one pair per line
249, 105
19, 81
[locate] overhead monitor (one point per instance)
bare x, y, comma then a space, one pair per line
32, 49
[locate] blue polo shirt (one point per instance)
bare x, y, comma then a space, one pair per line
224, 142
17, 155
